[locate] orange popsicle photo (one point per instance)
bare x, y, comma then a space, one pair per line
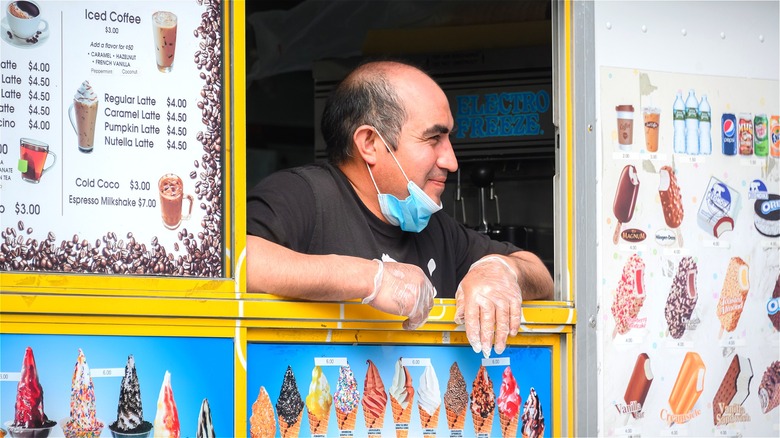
688, 386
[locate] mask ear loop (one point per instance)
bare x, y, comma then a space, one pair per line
391, 154
372, 179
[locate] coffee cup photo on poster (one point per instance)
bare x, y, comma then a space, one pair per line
22, 24
33, 155
164, 26
83, 115
171, 189
625, 125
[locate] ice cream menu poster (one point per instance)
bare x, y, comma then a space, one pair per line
689, 255
397, 391
111, 148
116, 386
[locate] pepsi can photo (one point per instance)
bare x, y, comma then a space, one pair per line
728, 130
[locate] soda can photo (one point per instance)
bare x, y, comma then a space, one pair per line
774, 136
728, 132
761, 135
745, 134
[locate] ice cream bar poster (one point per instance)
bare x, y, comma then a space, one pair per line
415, 391
111, 155
105, 385
690, 254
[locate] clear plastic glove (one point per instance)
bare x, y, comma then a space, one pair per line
402, 289
489, 303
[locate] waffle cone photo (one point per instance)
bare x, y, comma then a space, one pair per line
318, 426
483, 425
428, 421
346, 420
402, 416
290, 430
374, 421
508, 424
456, 421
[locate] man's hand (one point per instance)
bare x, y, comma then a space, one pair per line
489, 302
402, 289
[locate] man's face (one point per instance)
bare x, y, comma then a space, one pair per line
423, 148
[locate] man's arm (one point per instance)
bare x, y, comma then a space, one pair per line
395, 288
532, 276
274, 269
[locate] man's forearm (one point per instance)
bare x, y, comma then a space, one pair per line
274, 269
532, 276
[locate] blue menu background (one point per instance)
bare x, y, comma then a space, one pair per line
267, 363
200, 368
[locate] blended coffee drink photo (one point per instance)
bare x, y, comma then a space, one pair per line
171, 196
24, 19
164, 27
85, 107
652, 116
32, 159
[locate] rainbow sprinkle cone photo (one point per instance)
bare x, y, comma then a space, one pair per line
347, 400
82, 422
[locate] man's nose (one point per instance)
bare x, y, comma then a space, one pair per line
447, 158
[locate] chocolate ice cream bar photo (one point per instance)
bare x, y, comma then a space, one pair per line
671, 201
687, 388
682, 298
638, 385
625, 198
769, 388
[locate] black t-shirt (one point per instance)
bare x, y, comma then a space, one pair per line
314, 210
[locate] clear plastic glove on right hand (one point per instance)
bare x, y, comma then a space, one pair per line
402, 289
489, 303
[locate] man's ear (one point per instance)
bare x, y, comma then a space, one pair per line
365, 140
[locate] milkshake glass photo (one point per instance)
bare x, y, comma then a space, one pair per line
171, 196
164, 27
32, 159
85, 106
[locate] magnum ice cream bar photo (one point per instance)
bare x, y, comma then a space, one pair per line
671, 201
629, 296
733, 295
625, 198
687, 389
732, 392
638, 387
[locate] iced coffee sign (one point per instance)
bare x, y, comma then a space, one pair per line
111, 147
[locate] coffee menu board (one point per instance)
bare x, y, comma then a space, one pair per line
111, 157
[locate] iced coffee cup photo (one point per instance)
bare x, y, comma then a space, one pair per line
171, 196
164, 28
652, 117
23, 20
83, 114
33, 155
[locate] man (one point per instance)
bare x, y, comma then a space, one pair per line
367, 225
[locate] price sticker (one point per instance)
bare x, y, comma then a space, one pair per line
176, 103
680, 344
415, 361
330, 361
676, 252
140, 185
43, 67
495, 361
10, 377
717, 244
107, 372
27, 209
623, 156
753, 161
631, 431
774, 243
732, 342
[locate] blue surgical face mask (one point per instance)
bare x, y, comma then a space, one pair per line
413, 213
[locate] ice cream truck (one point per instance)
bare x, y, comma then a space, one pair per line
634, 146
